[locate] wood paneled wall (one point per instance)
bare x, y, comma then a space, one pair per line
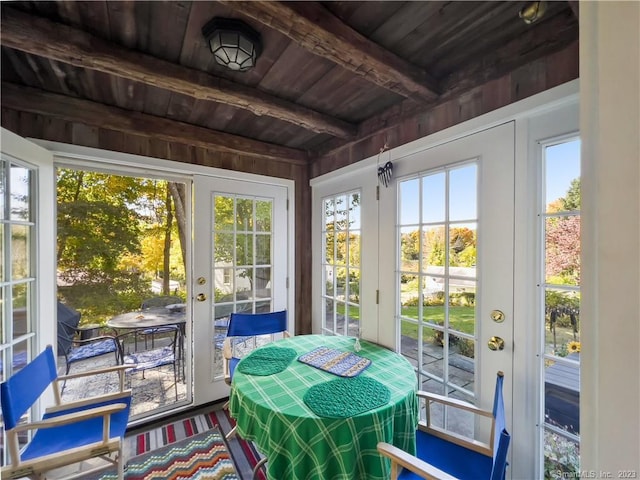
405, 123
53, 129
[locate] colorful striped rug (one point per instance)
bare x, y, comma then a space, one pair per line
244, 454
200, 457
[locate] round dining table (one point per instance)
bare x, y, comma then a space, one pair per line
309, 430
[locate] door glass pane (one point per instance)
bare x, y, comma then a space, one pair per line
433, 198
242, 262
437, 280
19, 202
463, 200
20, 251
560, 315
341, 239
263, 249
409, 198
17, 273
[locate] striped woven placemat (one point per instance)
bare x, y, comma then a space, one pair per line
343, 364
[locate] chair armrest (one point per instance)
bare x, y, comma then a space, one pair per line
454, 402
97, 371
412, 463
120, 369
87, 402
72, 417
485, 448
227, 350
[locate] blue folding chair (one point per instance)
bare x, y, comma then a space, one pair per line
67, 433
141, 361
257, 328
246, 332
443, 454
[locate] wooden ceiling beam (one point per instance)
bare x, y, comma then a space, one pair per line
552, 36
315, 28
62, 43
521, 51
32, 100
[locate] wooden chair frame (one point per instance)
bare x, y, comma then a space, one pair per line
401, 459
35, 468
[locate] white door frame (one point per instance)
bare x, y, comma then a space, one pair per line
558, 102
41, 160
213, 387
93, 158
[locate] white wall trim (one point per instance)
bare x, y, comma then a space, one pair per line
76, 155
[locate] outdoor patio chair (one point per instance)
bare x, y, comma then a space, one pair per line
67, 433
159, 302
74, 349
444, 454
247, 331
141, 361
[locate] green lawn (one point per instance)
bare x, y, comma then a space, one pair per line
461, 319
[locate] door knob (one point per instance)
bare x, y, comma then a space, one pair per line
496, 343
201, 297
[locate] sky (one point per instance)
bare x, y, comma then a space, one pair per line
562, 166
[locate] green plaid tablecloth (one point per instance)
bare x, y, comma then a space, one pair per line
270, 411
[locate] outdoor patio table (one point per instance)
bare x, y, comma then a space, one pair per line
271, 411
149, 318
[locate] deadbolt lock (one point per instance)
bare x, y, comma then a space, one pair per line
201, 297
495, 343
497, 316
201, 280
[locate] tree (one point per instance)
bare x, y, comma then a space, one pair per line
572, 199
106, 251
563, 238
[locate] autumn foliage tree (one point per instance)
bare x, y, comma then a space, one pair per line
104, 260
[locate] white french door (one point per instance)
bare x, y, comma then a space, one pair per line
453, 281
27, 253
240, 265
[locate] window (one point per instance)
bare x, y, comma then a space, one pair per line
17, 279
560, 296
437, 279
341, 238
17, 267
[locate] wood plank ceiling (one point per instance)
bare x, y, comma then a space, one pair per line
330, 74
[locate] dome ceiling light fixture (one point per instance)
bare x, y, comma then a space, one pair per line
234, 44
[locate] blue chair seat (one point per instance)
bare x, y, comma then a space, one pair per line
446, 456
90, 350
150, 359
47, 441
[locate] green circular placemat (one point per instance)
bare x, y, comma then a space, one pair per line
346, 397
267, 361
